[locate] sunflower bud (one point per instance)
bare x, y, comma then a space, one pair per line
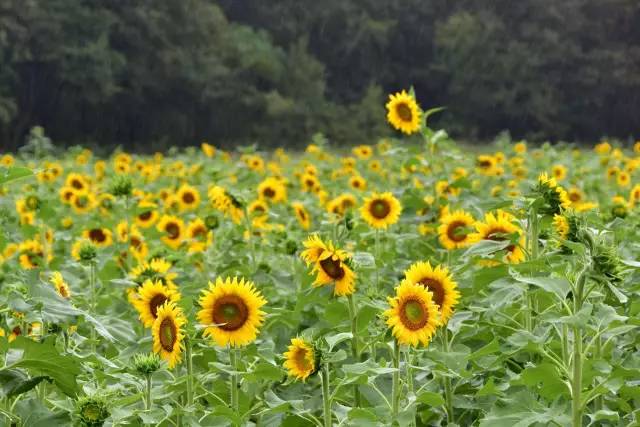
554, 198
291, 247
121, 186
212, 222
88, 252
146, 364
606, 263
92, 411
32, 202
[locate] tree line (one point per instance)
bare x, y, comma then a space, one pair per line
149, 74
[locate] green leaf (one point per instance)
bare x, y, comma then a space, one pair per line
15, 382
333, 340
431, 398
555, 285
14, 173
44, 359
486, 247
364, 260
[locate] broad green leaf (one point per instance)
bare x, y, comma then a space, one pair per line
14, 173
431, 398
556, 285
333, 340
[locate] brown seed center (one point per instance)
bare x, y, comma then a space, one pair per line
404, 112
173, 230
435, 287
156, 302
454, 231
380, 208
168, 334
230, 313
333, 268
413, 314
97, 235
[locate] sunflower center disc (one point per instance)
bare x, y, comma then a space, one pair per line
168, 332
380, 209
435, 287
455, 233
268, 192
188, 198
173, 230
301, 360
97, 235
144, 216
413, 315
404, 112
156, 302
332, 268
230, 313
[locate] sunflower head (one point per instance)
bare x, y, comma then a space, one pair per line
403, 112
455, 230
439, 282
381, 210
301, 359
231, 312
152, 295
167, 332
412, 314
500, 226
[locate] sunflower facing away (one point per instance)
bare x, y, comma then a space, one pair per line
403, 112
454, 230
381, 210
330, 265
151, 295
302, 215
412, 316
439, 282
231, 312
498, 227
167, 333
300, 359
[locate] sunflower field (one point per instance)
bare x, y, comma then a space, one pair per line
410, 282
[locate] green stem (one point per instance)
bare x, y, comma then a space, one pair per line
448, 389
377, 255
148, 401
576, 380
234, 379
189, 357
354, 345
598, 402
395, 386
326, 397
92, 286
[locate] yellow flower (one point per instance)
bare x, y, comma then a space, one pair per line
403, 113
559, 172
363, 152
439, 282
230, 312
273, 190
561, 225
151, 295
172, 228
412, 316
497, 227
188, 198
623, 179
302, 215
208, 150
300, 359
358, 183
61, 286
79, 183
381, 210
100, 237
329, 265
454, 230
82, 203
167, 333
147, 214
200, 237
31, 254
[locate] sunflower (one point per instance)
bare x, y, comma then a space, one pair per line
403, 113
167, 333
330, 265
623, 179
497, 227
31, 254
555, 197
273, 190
82, 203
454, 230
61, 286
100, 237
231, 312
173, 229
208, 149
363, 152
302, 215
634, 195
258, 207
381, 210
486, 164
152, 295
309, 182
358, 183
199, 236
188, 198
439, 282
575, 195
147, 214
412, 316
300, 359
137, 246
561, 225
78, 182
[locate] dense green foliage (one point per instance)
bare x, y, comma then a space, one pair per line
173, 72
